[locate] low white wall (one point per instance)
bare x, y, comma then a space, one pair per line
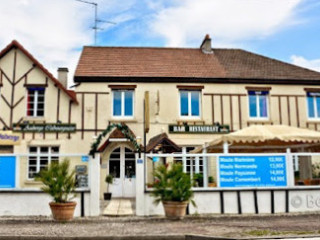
33, 203
209, 202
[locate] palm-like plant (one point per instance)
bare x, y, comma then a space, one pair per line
58, 181
172, 184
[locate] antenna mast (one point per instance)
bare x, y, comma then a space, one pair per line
96, 20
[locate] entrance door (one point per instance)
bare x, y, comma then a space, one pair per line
123, 168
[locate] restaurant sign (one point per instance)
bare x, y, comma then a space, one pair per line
45, 127
199, 129
9, 138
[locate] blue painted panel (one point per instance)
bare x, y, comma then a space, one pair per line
252, 171
7, 172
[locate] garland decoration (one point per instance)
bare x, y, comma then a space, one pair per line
124, 130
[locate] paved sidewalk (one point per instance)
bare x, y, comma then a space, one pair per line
145, 228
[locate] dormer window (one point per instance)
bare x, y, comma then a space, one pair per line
35, 102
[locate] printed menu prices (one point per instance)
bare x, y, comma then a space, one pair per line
252, 171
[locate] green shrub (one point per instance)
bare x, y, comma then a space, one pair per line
109, 180
58, 181
172, 184
210, 179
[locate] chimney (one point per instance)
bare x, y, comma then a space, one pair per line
63, 76
206, 45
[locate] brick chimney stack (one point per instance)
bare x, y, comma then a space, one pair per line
63, 76
206, 45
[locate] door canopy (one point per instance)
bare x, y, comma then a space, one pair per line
124, 130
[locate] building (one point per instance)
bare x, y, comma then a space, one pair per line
192, 94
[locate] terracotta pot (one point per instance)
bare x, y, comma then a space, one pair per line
174, 209
62, 211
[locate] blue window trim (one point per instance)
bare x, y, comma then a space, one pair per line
189, 105
314, 96
122, 105
257, 94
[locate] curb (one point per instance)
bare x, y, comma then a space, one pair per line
151, 237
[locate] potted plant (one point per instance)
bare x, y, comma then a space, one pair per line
59, 183
109, 180
198, 180
172, 187
211, 182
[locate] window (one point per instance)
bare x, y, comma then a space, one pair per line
313, 101
41, 157
35, 103
258, 104
190, 104
123, 103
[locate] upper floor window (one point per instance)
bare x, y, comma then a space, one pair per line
123, 103
35, 102
258, 104
190, 104
313, 101
40, 158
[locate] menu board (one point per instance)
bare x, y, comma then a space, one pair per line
252, 171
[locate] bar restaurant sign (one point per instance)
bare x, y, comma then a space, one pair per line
210, 129
44, 127
9, 138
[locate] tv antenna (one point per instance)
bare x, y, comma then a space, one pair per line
96, 19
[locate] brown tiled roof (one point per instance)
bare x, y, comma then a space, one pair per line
104, 63
16, 44
167, 145
116, 133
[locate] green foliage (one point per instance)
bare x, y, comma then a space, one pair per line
58, 181
198, 180
123, 128
172, 184
109, 180
211, 179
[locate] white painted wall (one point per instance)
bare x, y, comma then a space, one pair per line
18, 203
209, 202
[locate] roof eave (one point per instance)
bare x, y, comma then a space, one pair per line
81, 79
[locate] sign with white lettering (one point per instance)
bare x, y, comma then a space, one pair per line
199, 129
9, 138
45, 127
252, 171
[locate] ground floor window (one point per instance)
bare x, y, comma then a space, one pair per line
307, 170
40, 157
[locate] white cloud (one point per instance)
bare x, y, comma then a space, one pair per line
301, 61
227, 21
50, 30
54, 31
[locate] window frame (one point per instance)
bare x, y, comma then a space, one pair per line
190, 104
36, 101
122, 115
316, 117
38, 158
258, 117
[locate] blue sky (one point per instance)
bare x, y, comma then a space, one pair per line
54, 31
